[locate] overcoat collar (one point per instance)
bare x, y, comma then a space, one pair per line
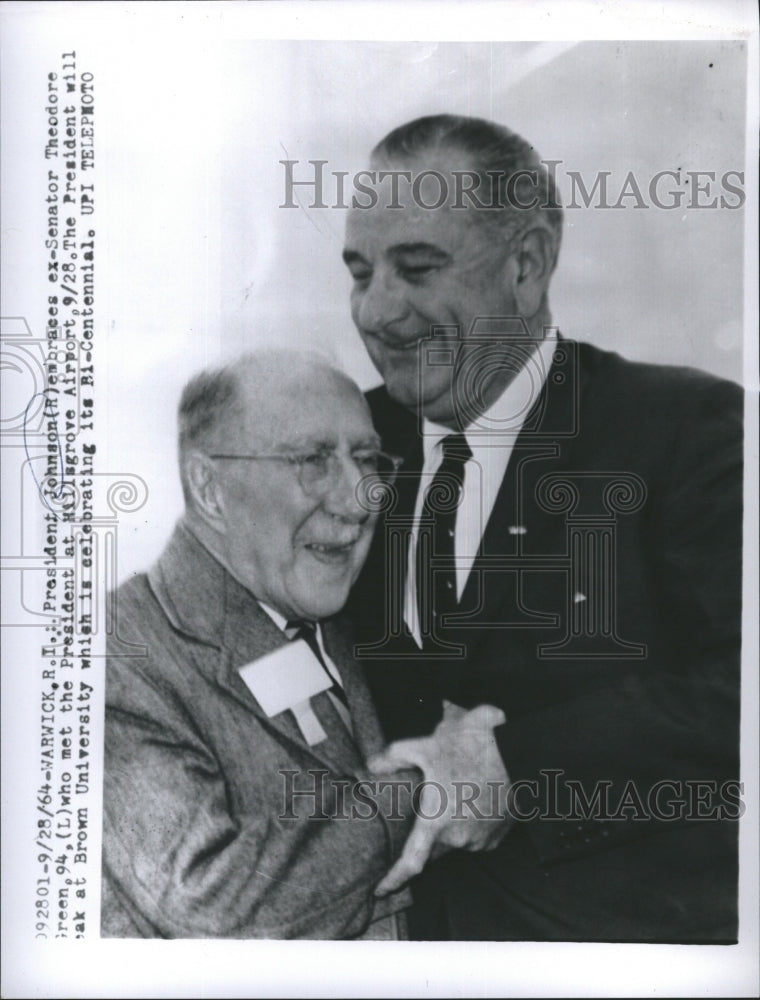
203, 601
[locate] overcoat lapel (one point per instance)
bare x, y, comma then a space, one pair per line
202, 600
367, 732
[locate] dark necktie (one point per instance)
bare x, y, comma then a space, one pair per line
308, 632
437, 592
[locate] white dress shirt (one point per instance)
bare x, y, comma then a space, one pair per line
491, 439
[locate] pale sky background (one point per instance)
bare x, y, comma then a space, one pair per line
656, 285
204, 263
196, 261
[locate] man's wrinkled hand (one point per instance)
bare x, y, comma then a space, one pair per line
463, 793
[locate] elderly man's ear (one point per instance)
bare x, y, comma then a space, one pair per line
205, 489
532, 269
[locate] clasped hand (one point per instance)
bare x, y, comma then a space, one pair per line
461, 802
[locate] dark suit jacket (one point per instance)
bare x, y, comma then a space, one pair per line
645, 689
195, 841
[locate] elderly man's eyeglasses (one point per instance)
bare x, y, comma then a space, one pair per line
317, 470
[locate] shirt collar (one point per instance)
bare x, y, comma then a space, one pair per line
508, 412
280, 620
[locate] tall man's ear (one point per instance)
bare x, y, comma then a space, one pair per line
536, 257
205, 489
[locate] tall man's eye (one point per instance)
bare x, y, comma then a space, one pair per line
417, 273
360, 273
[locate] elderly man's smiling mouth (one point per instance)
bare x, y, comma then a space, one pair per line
332, 553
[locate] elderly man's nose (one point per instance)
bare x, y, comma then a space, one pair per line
345, 495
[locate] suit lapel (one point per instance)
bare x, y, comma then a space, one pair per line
407, 482
493, 601
517, 524
544, 444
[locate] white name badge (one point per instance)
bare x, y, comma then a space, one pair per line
288, 678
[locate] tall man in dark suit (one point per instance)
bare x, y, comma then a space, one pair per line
559, 578
237, 722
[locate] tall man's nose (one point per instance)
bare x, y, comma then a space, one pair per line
382, 303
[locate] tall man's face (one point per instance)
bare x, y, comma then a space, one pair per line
416, 268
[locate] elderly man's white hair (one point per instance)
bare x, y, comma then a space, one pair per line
212, 399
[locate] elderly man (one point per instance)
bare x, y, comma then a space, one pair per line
237, 723
559, 577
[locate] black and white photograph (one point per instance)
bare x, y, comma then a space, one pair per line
379, 534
